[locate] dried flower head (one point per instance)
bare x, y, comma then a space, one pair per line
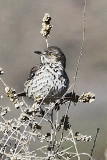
23, 117
4, 110
46, 18
84, 138
11, 93
87, 97
46, 26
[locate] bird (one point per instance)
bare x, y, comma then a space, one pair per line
48, 81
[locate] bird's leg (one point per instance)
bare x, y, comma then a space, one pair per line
21, 94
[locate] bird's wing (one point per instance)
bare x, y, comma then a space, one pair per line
31, 75
33, 71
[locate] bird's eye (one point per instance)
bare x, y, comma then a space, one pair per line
51, 54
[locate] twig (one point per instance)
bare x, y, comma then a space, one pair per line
92, 150
9, 138
47, 43
82, 46
60, 141
41, 147
3, 82
86, 154
64, 151
25, 102
20, 140
77, 154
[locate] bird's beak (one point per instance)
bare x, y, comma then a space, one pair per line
38, 52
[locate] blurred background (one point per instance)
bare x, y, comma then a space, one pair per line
20, 25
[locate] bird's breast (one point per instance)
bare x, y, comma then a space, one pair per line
47, 82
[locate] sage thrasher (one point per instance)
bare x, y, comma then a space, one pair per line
48, 81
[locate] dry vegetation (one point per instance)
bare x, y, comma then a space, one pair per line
47, 126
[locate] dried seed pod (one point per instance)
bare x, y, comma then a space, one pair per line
46, 26
87, 97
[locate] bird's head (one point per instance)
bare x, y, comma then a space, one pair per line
52, 55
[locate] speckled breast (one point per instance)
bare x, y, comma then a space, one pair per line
47, 83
